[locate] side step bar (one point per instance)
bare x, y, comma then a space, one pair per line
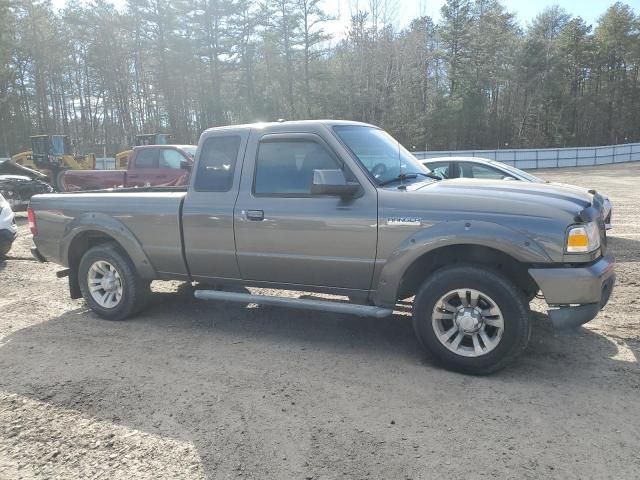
322, 305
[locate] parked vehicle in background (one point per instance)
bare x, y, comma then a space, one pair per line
18, 184
52, 155
486, 169
122, 158
8, 227
153, 165
341, 208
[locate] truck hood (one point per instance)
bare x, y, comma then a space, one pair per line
505, 197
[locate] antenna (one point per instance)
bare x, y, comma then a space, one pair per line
401, 176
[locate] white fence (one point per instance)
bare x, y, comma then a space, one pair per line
521, 158
550, 157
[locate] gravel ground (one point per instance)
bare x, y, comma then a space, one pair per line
215, 390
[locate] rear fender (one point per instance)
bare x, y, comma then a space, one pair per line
486, 234
99, 222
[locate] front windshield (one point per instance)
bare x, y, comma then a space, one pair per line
191, 151
379, 152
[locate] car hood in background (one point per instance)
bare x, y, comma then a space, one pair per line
9, 168
499, 196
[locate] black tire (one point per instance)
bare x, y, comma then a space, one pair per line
4, 249
135, 290
59, 180
508, 297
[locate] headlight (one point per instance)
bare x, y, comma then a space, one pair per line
583, 238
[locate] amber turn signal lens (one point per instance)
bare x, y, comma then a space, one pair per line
578, 239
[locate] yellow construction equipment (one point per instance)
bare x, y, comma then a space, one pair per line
122, 158
51, 155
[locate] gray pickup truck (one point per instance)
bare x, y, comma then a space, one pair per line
341, 208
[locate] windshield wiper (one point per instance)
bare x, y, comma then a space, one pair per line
406, 176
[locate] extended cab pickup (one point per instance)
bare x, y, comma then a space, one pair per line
341, 208
151, 165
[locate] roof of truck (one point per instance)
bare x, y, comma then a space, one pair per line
171, 145
289, 123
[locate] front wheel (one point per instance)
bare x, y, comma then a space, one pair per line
58, 180
110, 284
471, 319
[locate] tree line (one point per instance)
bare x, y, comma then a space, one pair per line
473, 79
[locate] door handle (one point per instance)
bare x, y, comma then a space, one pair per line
255, 215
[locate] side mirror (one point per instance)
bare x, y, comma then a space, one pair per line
186, 165
507, 177
333, 182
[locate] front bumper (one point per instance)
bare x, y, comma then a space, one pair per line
575, 295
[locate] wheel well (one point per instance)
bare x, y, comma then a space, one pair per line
83, 242
78, 247
431, 261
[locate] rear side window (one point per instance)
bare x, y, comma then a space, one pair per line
285, 167
217, 163
147, 158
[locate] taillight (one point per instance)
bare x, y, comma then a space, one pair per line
33, 226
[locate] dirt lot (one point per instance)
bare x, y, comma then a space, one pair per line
214, 390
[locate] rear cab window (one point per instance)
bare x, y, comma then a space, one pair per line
217, 162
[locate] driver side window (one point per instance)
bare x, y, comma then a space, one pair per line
474, 170
285, 167
439, 168
170, 158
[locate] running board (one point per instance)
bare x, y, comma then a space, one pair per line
322, 305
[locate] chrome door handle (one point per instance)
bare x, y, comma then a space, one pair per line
255, 215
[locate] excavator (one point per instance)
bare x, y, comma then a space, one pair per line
51, 155
122, 158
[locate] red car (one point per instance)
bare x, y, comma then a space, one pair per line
150, 165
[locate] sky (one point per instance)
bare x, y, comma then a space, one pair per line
525, 10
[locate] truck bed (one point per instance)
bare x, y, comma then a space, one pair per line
75, 180
151, 216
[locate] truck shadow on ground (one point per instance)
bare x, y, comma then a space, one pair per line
185, 367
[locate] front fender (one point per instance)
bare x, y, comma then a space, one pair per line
511, 242
112, 227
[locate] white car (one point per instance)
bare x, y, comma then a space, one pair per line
8, 227
476, 167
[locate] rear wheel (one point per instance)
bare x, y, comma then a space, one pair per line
471, 319
110, 284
